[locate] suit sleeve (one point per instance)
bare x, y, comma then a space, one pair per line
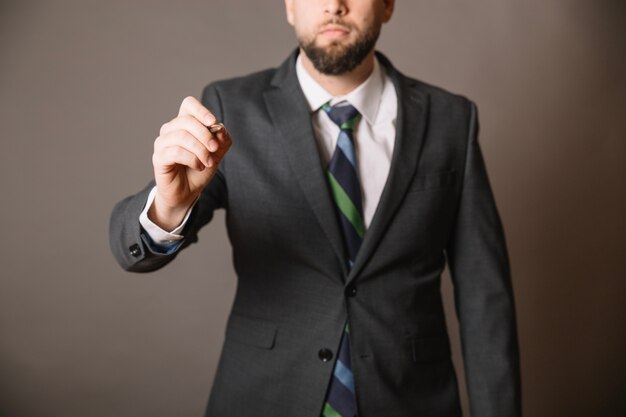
479, 266
130, 243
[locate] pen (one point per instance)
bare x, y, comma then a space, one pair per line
216, 127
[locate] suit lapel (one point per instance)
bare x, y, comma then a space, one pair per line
290, 114
410, 129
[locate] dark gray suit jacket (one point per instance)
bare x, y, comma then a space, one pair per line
294, 293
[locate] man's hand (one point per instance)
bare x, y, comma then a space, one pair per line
185, 159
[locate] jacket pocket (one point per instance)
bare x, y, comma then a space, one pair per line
428, 340
430, 348
432, 181
251, 331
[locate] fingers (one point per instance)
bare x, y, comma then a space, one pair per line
193, 126
176, 155
192, 139
225, 141
174, 147
192, 107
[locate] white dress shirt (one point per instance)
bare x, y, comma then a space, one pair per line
374, 137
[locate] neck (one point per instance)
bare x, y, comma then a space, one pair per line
339, 85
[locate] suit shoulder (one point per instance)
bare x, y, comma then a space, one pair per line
441, 95
437, 95
248, 84
445, 106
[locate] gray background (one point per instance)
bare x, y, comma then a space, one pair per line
85, 86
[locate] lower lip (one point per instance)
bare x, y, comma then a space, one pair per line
335, 34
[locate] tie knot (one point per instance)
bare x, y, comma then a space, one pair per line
343, 116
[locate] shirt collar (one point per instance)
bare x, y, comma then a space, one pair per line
365, 98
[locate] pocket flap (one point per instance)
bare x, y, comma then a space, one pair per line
434, 325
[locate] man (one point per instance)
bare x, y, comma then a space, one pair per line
348, 186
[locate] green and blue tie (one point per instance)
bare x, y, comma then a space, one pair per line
345, 186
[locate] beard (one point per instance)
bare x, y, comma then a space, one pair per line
337, 58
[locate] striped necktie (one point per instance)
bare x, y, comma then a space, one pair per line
344, 182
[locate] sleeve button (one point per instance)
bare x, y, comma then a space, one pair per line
135, 250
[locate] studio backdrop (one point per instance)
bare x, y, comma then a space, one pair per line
85, 86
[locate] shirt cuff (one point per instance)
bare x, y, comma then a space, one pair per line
158, 236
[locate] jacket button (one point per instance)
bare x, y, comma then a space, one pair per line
135, 250
325, 355
351, 290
